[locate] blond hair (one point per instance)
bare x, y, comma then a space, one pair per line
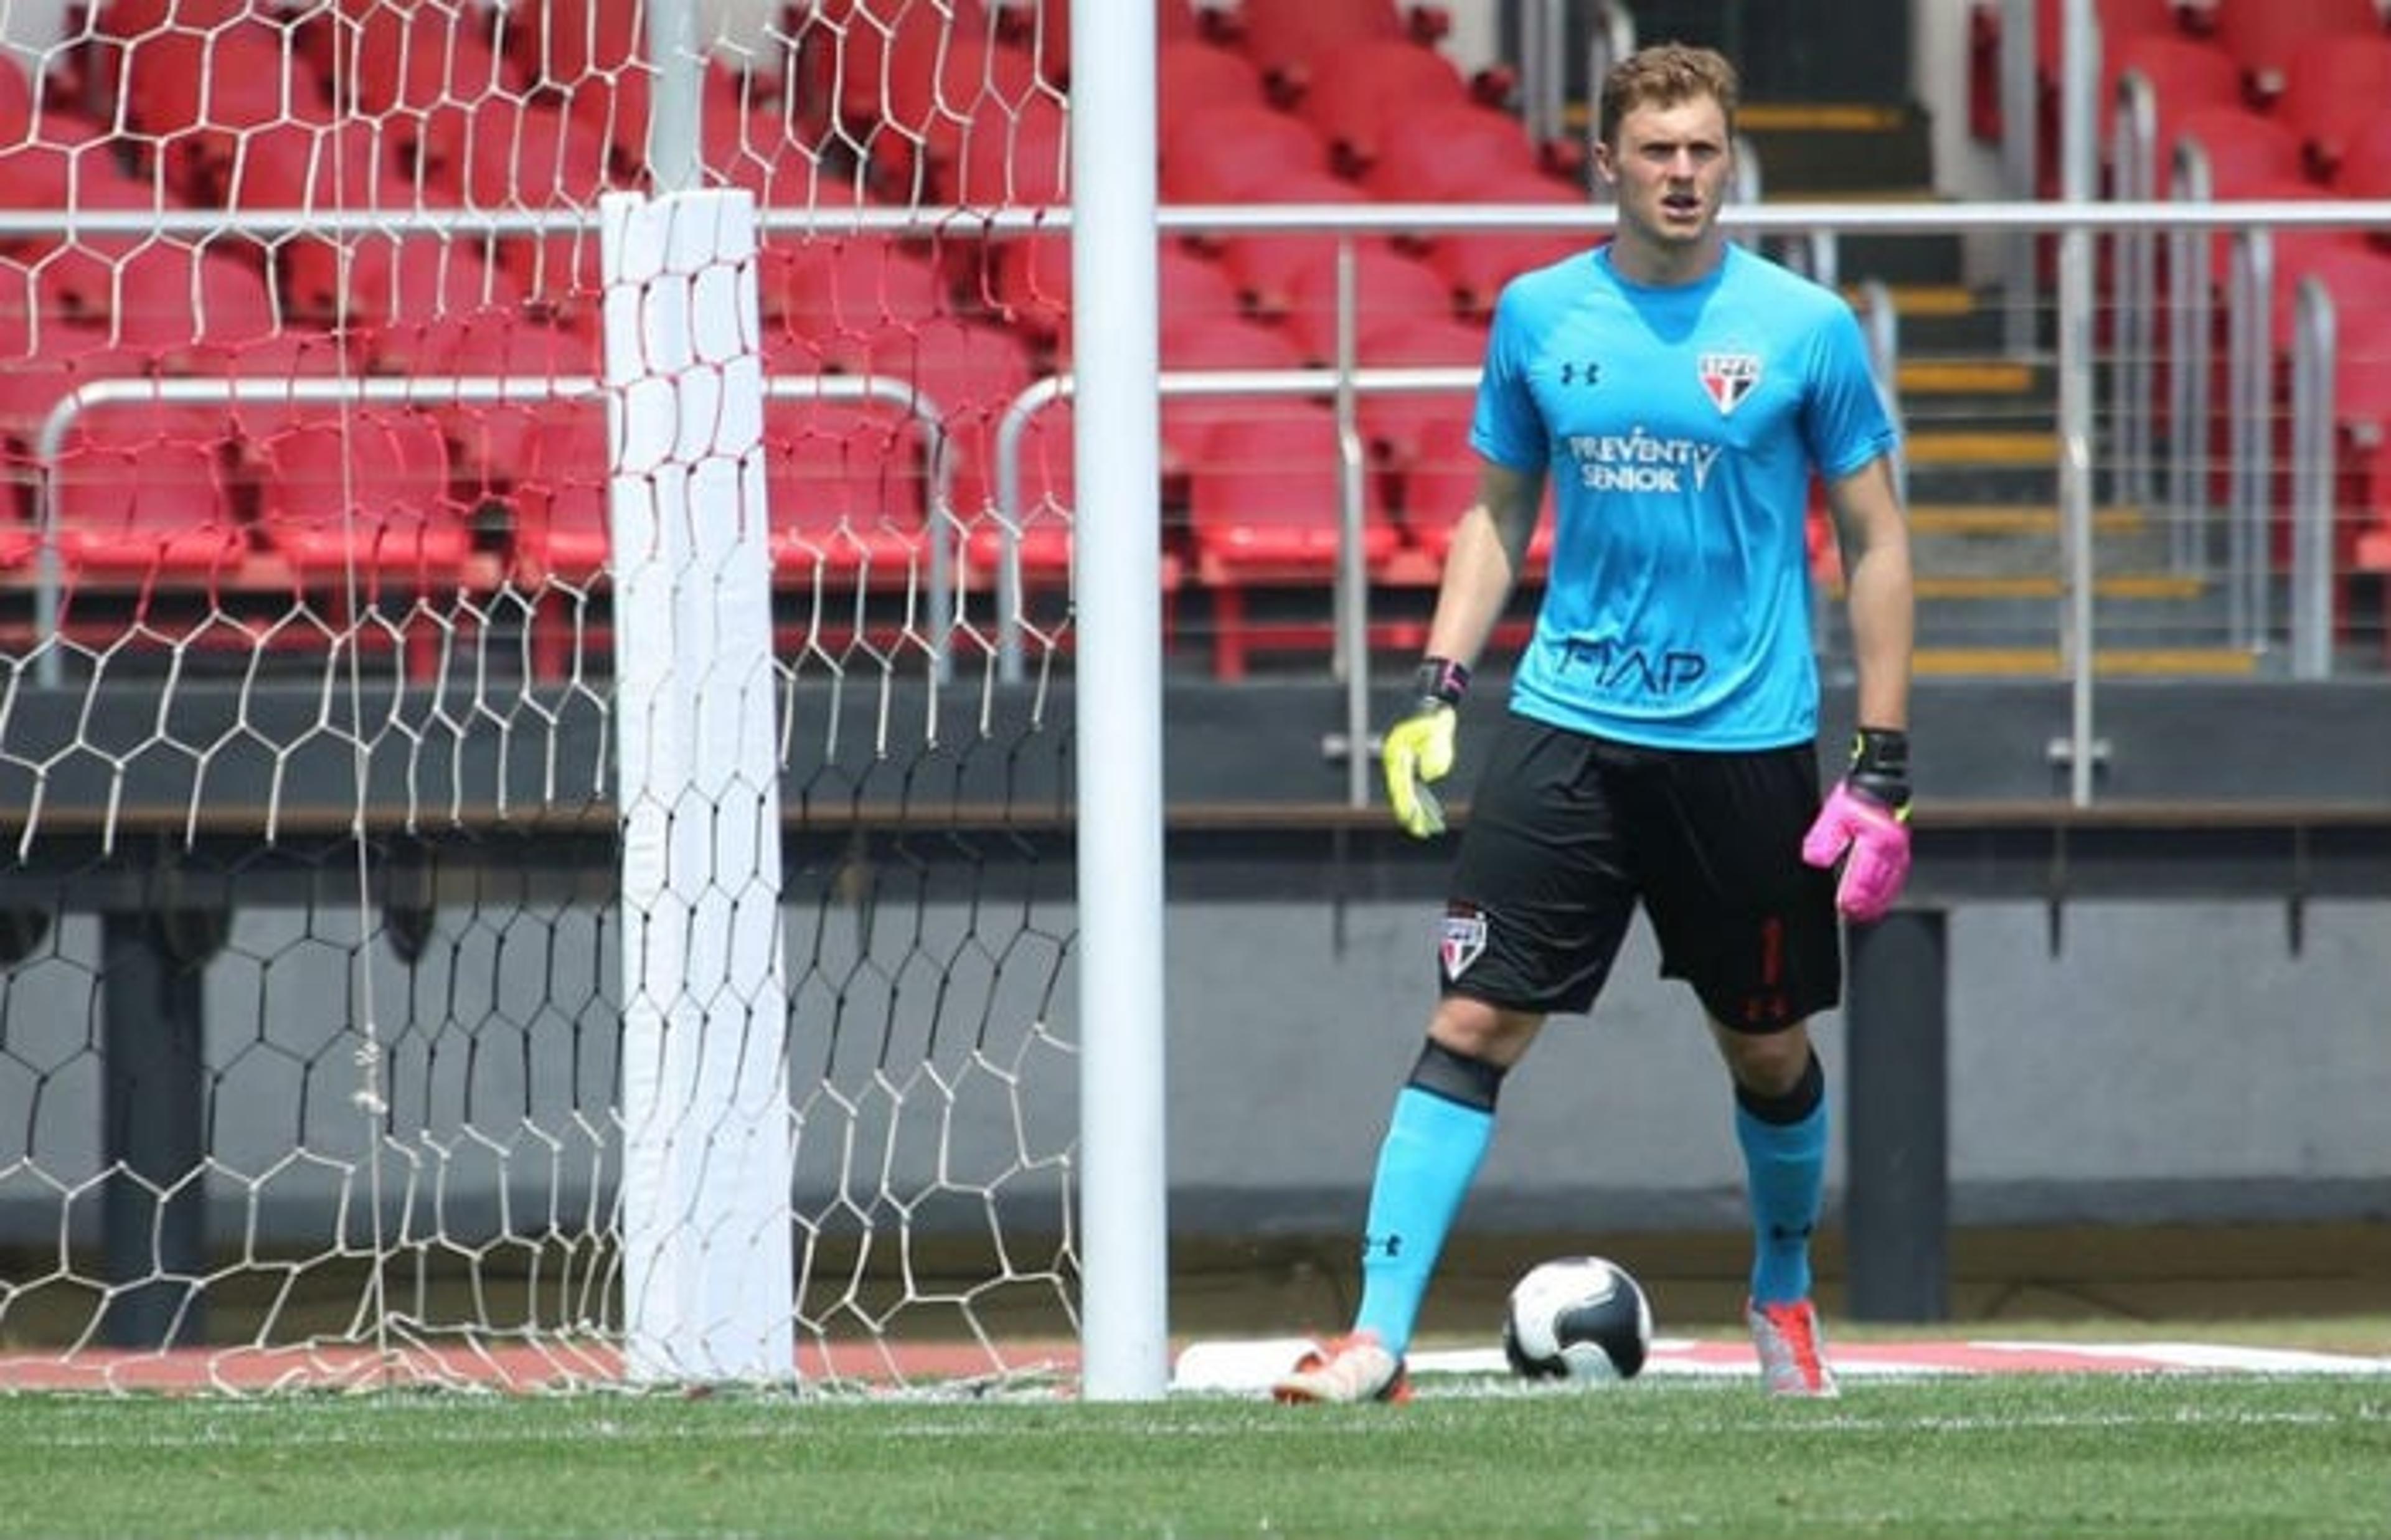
1663, 75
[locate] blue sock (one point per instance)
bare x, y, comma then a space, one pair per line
1785, 1165
1426, 1164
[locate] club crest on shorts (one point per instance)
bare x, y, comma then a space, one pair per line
1728, 378
1464, 941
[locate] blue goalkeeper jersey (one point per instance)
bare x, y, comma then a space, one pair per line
1680, 427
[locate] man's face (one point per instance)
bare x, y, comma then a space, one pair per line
1670, 169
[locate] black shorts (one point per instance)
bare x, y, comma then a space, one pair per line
1567, 833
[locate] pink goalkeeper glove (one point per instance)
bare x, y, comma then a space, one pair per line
1865, 826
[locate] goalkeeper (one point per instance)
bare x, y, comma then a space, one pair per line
1660, 745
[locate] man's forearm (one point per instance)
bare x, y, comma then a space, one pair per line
1883, 630
1479, 571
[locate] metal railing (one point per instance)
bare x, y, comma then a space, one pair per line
1812, 231
1546, 27
942, 538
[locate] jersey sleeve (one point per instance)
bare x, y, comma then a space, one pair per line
1506, 428
1844, 419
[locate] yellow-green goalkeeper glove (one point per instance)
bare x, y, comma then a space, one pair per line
1418, 749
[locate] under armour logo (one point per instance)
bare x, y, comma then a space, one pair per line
1592, 372
1388, 1246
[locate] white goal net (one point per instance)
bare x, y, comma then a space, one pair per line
482, 901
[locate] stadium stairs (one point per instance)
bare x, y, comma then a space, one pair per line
1982, 435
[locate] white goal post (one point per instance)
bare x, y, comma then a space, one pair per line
508, 782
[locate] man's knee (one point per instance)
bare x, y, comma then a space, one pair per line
1475, 1030
1767, 1064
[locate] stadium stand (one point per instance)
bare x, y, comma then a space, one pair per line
2330, 87
2263, 37
1264, 503
147, 498
1390, 289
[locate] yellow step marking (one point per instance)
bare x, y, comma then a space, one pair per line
2037, 585
1964, 376
1834, 117
2034, 662
1925, 298
2023, 519
2013, 447
2139, 586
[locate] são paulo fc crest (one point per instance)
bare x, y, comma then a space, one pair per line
1728, 378
1464, 941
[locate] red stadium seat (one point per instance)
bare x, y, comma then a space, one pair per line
77, 276
1191, 345
544, 160
1478, 266
1361, 86
145, 494
967, 372
1265, 265
489, 441
191, 310
846, 484
365, 492
191, 93
853, 47
2332, 87
1390, 289
936, 87
1043, 27
279, 372
560, 499
1191, 74
2242, 146
760, 150
1015, 157
1047, 491
308, 166
43, 370
562, 42
834, 291
2365, 170
1033, 285
1237, 153
409, 280
1445, 153
1287, 39
1397, 424
1264, 501
848, 493
2263, 36
1441, 483
399, 62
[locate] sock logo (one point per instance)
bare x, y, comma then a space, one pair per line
1464, 941
1388, 1246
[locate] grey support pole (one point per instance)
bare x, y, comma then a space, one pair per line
1896, 1208
153, 1035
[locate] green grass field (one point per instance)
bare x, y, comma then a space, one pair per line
2171, 1456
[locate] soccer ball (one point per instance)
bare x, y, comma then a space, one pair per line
1577, 1318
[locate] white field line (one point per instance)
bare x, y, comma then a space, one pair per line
1237, 1367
